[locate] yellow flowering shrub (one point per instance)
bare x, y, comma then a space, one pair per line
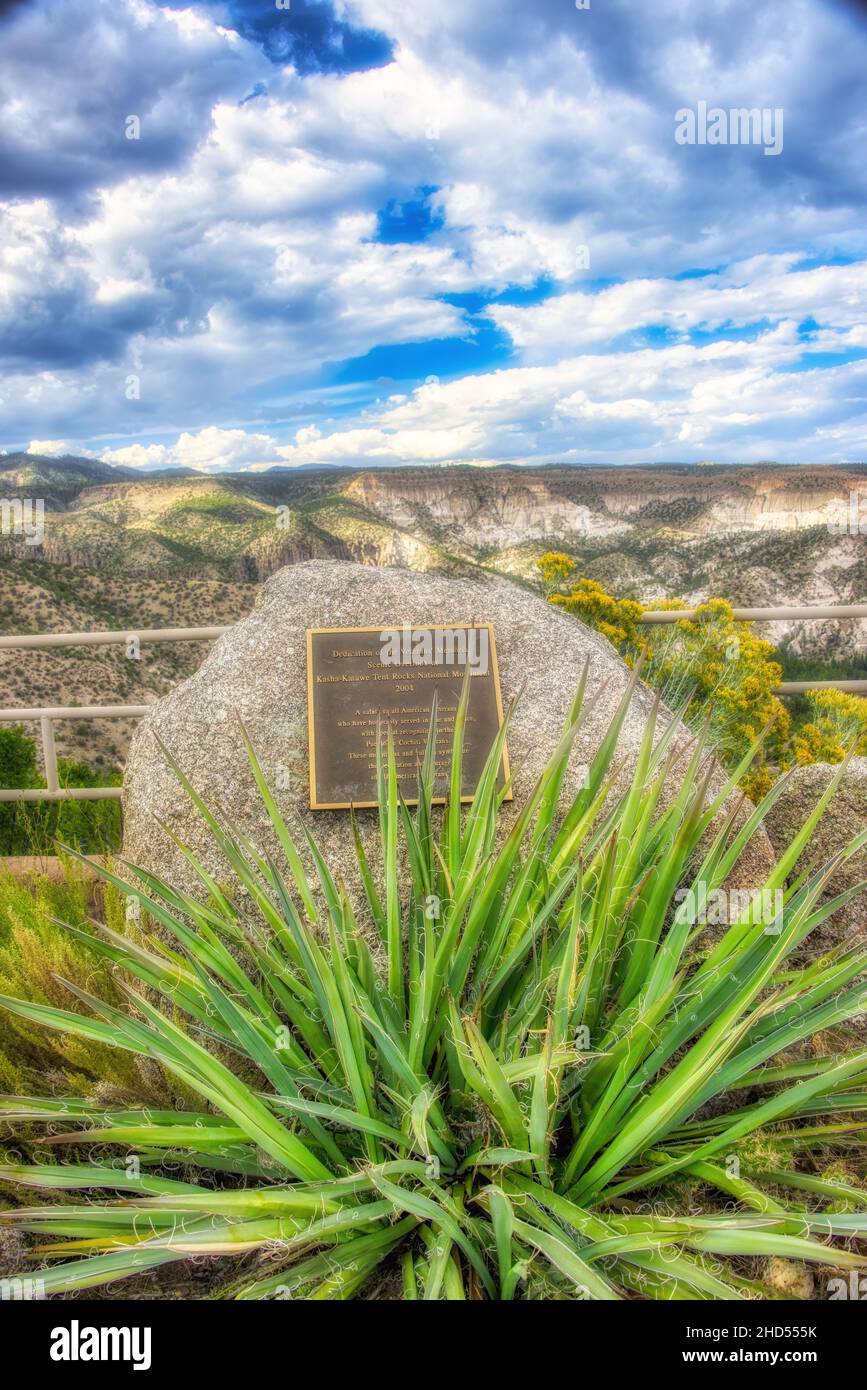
730, 674
717, 668
616, 619
554, 567
838, 720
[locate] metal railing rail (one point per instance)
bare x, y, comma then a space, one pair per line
771, 615
104, 639
47, 714
761, 615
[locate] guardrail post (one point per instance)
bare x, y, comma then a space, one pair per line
49, 754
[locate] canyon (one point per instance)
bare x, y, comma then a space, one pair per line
130, 550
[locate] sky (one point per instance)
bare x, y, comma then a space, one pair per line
236, 235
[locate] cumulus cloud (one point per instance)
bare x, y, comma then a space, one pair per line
212, 279
735, 399
766, 289
148, 457
51, 448
75, 72
211, 450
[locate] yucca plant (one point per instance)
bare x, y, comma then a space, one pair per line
499, 1066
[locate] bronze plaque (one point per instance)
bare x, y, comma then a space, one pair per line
363, 678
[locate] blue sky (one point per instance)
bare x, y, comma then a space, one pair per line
399, 232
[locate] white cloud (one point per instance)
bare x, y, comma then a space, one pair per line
53, 448
736, 399
214, 449
765, 289
308, 434
147, 456
733, 400
210, 450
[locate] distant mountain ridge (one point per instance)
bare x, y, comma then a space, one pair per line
23, 470
68, 472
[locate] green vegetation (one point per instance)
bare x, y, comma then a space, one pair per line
224, 506
38, 953
34, 827
800, 668
709, 666
718, 670
521, 1071
837, 722
812, 668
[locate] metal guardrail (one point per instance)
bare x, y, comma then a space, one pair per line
772, 615
47, 714
105, 639
759, 615
801, 687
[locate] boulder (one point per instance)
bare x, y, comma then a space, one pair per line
844, 818
258, 671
